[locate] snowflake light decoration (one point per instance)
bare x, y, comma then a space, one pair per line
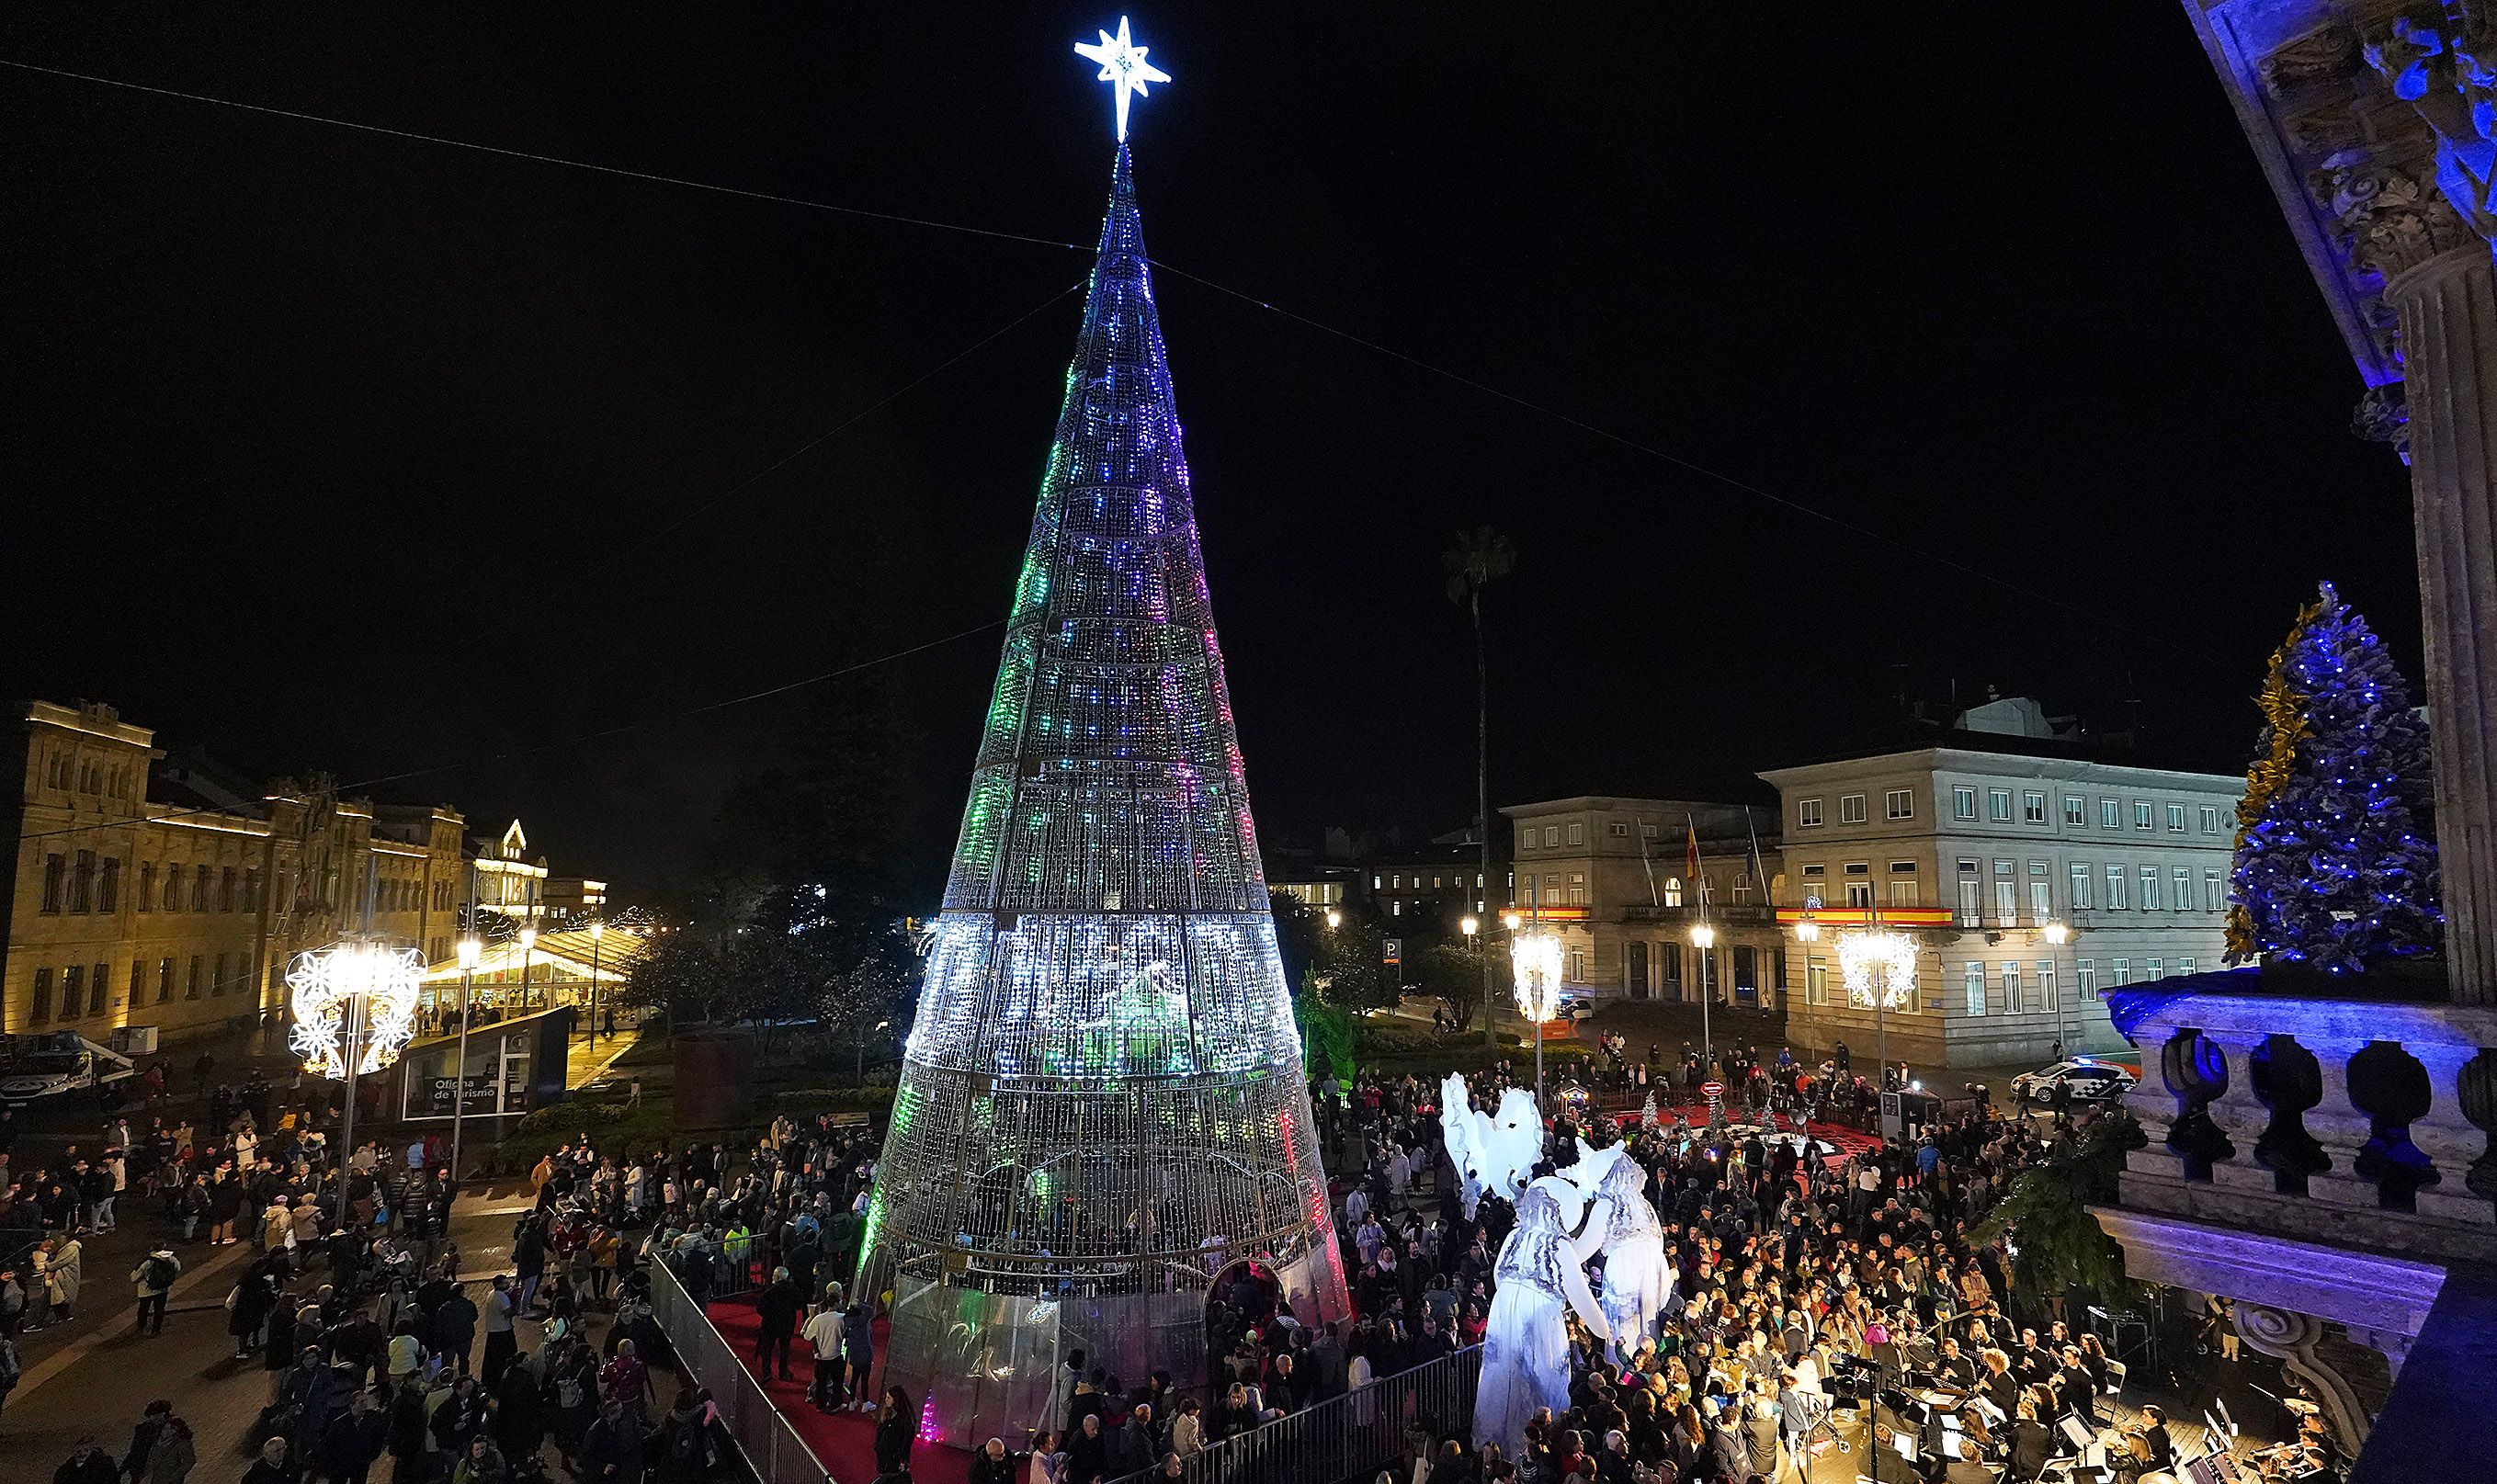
1892, 955
327, 981
1536, 958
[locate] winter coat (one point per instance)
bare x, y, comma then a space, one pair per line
64, 1273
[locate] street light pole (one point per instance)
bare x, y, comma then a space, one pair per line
528, 937
2058, 934
1704, 938
470, 951
597, 931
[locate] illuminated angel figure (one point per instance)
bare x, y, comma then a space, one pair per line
1624, 1226
1493, 1153
1526, 1345
329, 987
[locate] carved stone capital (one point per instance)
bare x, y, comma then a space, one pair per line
2292, 1336
2394, 219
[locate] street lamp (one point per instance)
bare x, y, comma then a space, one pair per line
2058, 934
472, 952
1536, 959
1470, 925
1511, 920
528, 950
1704, 937
1881, 971
597, 931
1335, 919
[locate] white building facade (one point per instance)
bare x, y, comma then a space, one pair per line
1976, 854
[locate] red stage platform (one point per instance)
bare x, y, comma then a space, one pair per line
844, 1441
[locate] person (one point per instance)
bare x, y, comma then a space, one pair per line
823, 1336
897, 1427
63, 1272
353, 1440
481, 1464
153, 1278
88, 1464
174, 1455
455, 1329
1088, 1450
276, 1464
777, 1307
1048, 1460
142, 1439
1133, 1449
1968, 1467
612, 1452
501, 1344
683, 1445
992, 1464
11, 1368
858, 1348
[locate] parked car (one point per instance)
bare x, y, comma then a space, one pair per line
2091, 1081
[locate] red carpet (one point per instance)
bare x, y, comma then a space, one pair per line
844, 1443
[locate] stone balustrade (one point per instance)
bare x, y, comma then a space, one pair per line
2353, 1121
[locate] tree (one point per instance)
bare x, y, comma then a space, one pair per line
1478, 558
1326, 1032
1455, 973
2336, 850
2046, 1211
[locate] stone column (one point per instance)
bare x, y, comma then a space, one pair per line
2340, 1125
2437, 277
2449, 1138
2240, 1115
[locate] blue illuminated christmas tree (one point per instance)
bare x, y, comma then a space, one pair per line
2336, 847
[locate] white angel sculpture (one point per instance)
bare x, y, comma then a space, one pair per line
1493, 1154
1526, 1345
1624, 1226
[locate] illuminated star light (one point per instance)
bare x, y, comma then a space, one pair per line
1124, 67
325, 982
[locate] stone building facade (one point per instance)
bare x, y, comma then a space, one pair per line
175, 900
1974, 852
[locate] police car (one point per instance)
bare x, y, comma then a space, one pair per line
2090, 1081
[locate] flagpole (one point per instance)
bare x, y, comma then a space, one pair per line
1699, 889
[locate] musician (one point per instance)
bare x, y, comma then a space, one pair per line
2075, 1388
2031, 1443
1953, 1371
1968, 1468
2158, 1451
1996, 1382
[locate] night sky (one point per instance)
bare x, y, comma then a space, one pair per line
329, 448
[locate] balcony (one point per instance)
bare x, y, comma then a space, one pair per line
1722, 914
2325, 1161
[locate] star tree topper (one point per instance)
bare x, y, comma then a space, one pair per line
1124, 67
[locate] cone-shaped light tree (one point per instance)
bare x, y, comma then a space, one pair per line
2336, 847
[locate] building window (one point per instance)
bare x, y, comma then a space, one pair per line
251, 890
2089, 977
1396, 909
172, 887
1673, 891
2150, 888
1851, 808
1577, 888
98, 989
1807, 813
1899, 803
2183, 898
2007, 894
1967, 894
1998, 806
2152, 969
2076, 811
137, 982
2045, 984
2210, 819
72, 993
2184, 967
2115, 887
226, 890
1859, 891
2041, 894
2110, 815
1747, 968
146, 893
82, 888
1963, 804
2118, 974
1551, 837
1973, 980
200, 889
217, 984
2010, 986
55, 881
1373, 882
1577, 966
108, 886
2033, 809
163, 980
1577, 834
2080, 874
1619, 828
191, 982
41, 1008
1478, 886
2140, 815
2214, 893
1670, 970
1815, 981
2176, 819
1902, 883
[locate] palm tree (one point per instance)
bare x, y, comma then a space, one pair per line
1479, 557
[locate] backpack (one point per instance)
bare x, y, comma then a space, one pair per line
160, 1273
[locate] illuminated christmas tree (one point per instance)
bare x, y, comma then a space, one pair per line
1102, 1105
2336, 848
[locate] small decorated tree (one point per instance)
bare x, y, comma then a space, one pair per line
2336, 849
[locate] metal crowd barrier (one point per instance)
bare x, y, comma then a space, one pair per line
1345, 1436
772, 1447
